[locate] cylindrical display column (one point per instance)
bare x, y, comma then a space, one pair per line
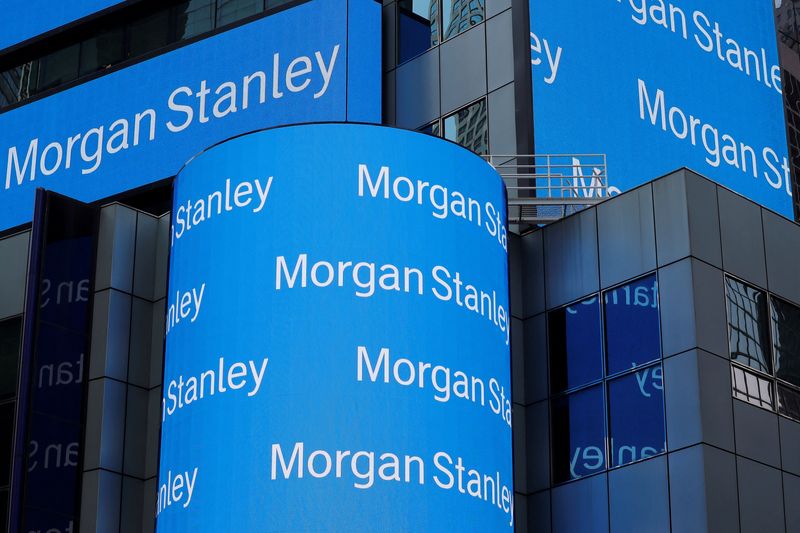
337, 354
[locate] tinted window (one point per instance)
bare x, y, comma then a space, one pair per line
786, 339
578, 434
6, 436
194, 17
748, 326
59, 67
232, 10
102, 51
632, 325
149, 33
575, 345
469, 127
789, 402
751, 388
636, 415
418, 27
10, 335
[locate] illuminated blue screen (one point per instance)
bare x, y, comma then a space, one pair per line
141, 124
337, 355
661, 85
24, 19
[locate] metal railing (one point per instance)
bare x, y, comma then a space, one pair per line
544, 188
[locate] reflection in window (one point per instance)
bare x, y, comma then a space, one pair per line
578, 434
194, 17
10, 336
789, 402
747, 326
430, 129
751, 388
460, 15
786, 340
636, 415
58, 68
229, 11
418, 27
575, 345
632, 325
469, 127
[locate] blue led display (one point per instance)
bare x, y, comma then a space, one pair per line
337, 354
657, 85
140, 124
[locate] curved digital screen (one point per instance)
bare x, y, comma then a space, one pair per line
337, 354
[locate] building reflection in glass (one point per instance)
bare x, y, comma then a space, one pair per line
748, 326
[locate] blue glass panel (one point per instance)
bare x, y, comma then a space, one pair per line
578, 434
632, 327
636, 415
575, 345
418, 29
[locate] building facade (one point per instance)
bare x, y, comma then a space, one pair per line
654, 361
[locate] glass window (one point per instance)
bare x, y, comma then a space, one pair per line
461, 15
59, 67
752, 388
578, 434
6, 437
10, 337
786, 340
149, 33
193, 18
430, 129
575, 345
636, 415
102, 51
18, 83
748, 334
789, 402
632, 327
418, 27
3, 507
229, 11
469, 127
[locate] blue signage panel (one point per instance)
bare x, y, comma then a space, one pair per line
657, 85
337, 354
140, 124
24, 19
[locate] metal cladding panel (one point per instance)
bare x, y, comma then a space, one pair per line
337, 354
663, 85
140, 124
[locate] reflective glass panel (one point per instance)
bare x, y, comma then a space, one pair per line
786, 340
751, 388
789, 402
418, 27
149, 33
229, 11
461, 15
578, 425
632, 327
10, 337
193, 18
748, 334
636, 415
59, 67
102, 51
469, 127
575, 345
430, 129
18, 83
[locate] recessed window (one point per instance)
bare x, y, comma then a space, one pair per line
102, 51
229, 11
10, 336
748, 326
149, 33
636, 415
578, 434
786, 340
576, 356
6, 436
469, 127
194, 17
632, 325
59, 67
